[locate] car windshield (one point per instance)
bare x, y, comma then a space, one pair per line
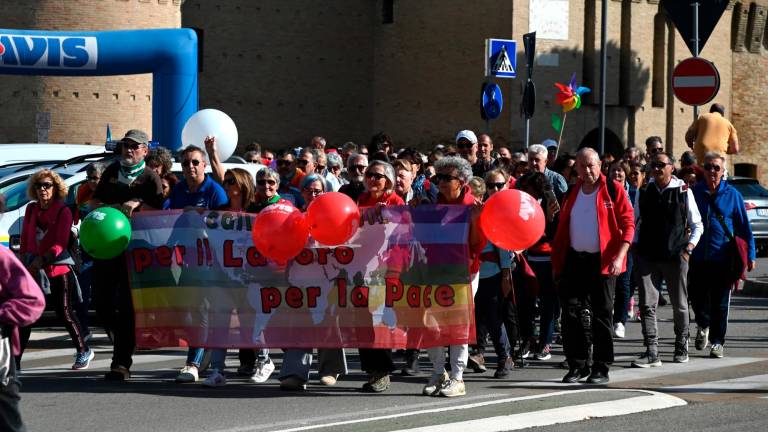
16, 193
750, 188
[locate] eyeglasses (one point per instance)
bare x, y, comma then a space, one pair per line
492, 185
269, 158
229, 182
445, 177
660, 165
302, 162
313, 192
263, 182
131, 145
712, 167
375, 175
320, 168
187, 163
284, 163
254, 161
464, 146
358, 167
45, 185
93, 178
656, 149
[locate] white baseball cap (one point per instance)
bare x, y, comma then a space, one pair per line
468, 135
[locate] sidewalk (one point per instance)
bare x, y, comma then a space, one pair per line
756, 284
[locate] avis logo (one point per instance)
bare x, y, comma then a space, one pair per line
49, 52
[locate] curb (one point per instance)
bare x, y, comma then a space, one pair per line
755, 288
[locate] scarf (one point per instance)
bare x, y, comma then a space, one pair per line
129, 173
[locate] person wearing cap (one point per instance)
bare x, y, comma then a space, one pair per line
485, 161
551, 146
129, 186
466, 144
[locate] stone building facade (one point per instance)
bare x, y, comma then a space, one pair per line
346, 69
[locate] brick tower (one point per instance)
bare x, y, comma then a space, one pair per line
77, 109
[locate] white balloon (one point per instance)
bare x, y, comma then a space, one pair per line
211, 122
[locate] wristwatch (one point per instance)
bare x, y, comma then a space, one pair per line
689, 251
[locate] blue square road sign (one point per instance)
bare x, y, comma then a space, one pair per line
500, 58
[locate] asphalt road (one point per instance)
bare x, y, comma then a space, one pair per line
705, 394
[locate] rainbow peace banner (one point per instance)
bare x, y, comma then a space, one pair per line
401, 282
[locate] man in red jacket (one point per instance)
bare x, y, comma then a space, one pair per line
590, 250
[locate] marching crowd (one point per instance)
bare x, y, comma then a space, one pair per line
613, 226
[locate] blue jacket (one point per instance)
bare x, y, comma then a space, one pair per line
712, 245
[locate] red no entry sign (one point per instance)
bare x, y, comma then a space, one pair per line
695, 81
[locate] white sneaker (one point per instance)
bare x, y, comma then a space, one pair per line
453, 388
187, 374
618, 330
434, 384
215, 379
262, 371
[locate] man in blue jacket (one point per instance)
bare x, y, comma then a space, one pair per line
709, 284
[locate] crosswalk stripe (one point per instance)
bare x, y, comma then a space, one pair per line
568, 414
753, 382
634, 374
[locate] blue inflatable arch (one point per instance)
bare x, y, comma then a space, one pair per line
170, 55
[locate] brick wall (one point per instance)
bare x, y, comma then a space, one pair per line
80, 107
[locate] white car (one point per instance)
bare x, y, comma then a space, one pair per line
15, 191
10, 153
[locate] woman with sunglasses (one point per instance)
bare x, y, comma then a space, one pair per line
241, 192
379, 191
297, 362
45, 237
492, 310
724, 215
453, 176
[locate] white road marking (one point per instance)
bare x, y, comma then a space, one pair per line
649, 401
569, 414
753, 382
669, 368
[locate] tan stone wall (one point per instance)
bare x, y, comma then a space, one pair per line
286, 71
80, 107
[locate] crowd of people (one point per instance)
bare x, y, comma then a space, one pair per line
615, 224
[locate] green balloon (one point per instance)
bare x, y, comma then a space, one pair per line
105, 233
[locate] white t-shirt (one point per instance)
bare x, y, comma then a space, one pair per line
583, 227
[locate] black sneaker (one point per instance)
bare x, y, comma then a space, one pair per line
525, 350
598, 376
503, 368
574, 375
119, 373
681, 351
411, 367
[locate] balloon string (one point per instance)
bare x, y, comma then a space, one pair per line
562, 127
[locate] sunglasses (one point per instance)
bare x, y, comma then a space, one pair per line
93, 178
656, 149
445, 177
45, 185
660, 165
284, 163
187, 163
359, 167
313, 192
491, 185
712, 167
464, 146
302, 162
254, 161
131, 145
229, 182
263, 182
375, 175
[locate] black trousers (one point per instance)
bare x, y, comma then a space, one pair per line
587, 300
112, 298
10, 417
492, 310
376, 360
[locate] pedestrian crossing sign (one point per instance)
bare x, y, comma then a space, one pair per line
500, 58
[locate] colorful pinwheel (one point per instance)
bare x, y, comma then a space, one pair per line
570, 96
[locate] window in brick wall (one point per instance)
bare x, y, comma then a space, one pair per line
388, 11
658, 79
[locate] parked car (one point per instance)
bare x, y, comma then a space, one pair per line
756, 203
10, 153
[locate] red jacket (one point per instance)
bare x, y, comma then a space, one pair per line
57, 221
616, 224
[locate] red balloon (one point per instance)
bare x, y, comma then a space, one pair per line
280, 232
333, 218
512, 220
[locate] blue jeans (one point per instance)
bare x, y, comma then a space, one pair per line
219, 356
622, 295
195, 356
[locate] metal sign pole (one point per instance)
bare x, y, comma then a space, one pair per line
603, 61
695, 46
